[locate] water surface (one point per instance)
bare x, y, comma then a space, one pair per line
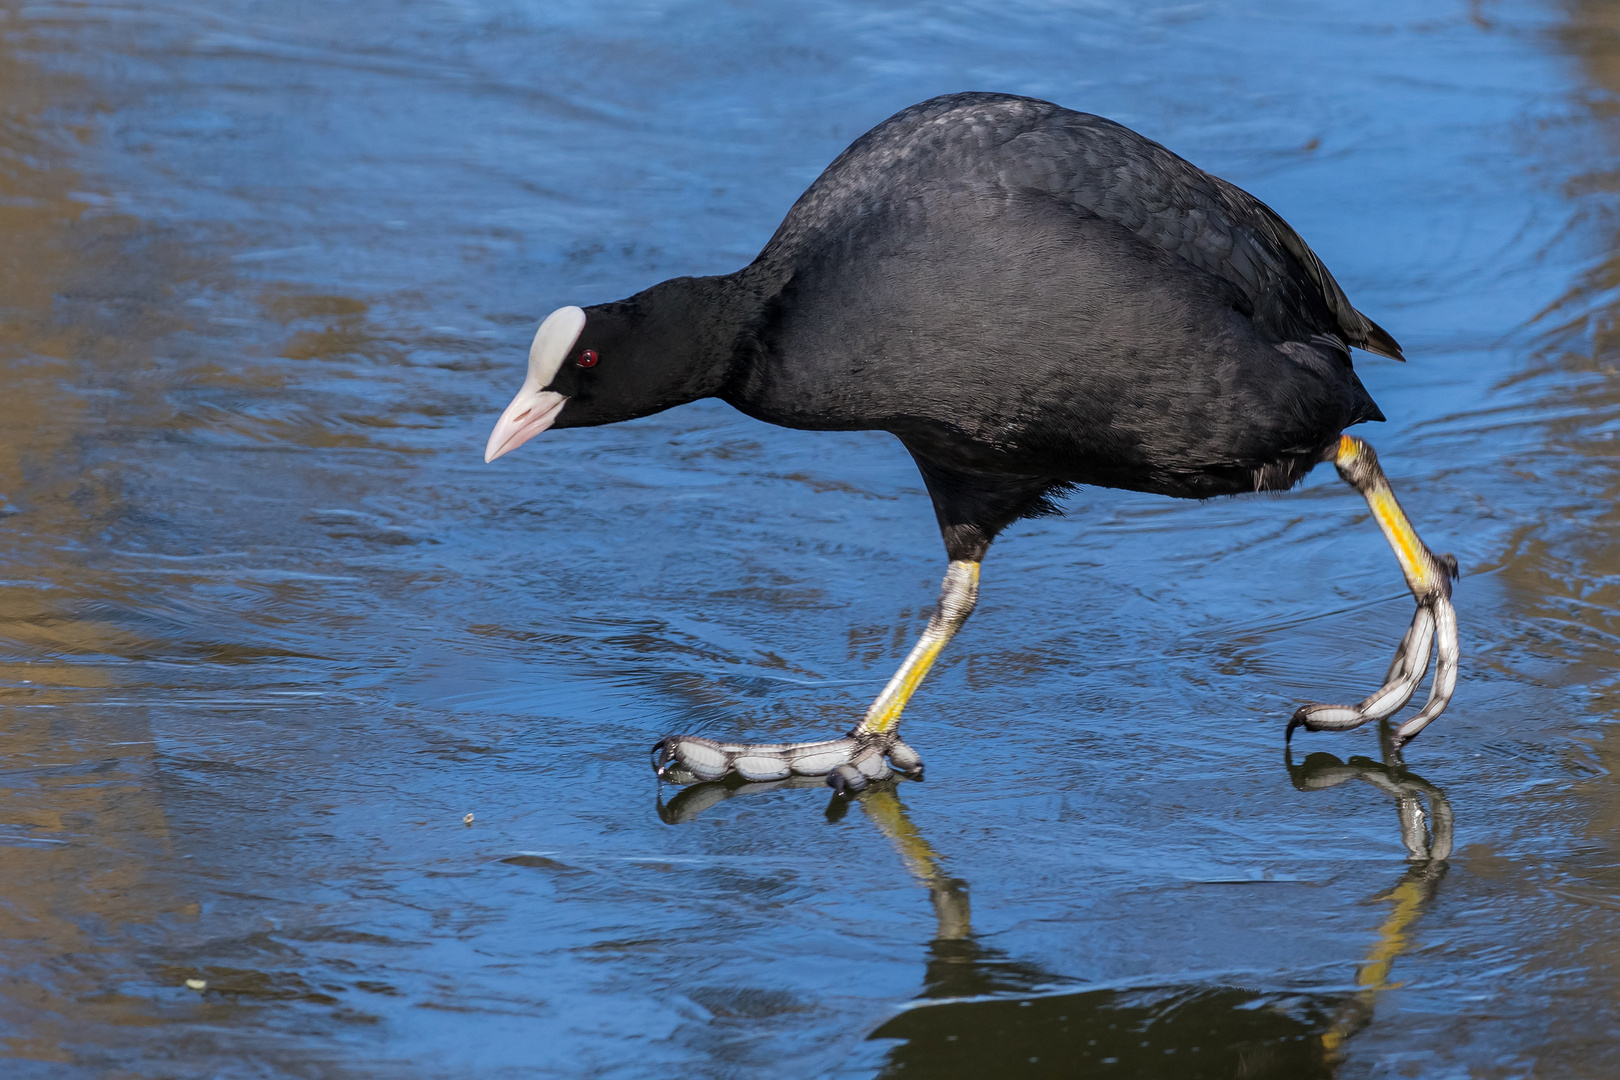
270, 629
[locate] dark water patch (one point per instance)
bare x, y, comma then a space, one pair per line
540, 862
246, 984
1192, 1033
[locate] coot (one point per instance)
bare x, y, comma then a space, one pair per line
1028, 298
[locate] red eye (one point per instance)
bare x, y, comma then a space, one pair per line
588, 358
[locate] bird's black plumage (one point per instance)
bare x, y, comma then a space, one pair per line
998, 145
1029, 297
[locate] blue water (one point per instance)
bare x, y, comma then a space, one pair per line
270, 629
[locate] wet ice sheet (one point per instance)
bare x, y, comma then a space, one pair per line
272, 628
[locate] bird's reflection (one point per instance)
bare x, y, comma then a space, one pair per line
983, 1013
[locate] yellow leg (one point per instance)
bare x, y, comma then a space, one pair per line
853, 760
1425, 575
1429, 577
957, 598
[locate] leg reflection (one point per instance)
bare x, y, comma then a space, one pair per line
983, 1013
692, 801
1428, 841
959, 965
881, 805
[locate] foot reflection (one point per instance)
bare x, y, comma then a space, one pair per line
983, 1013
1428, 840
692, 801
1427, 837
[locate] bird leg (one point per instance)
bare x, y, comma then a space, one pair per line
1429, 576
869, 751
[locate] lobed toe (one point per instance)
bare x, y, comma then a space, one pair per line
754, 765
872, 765
846, 780
906, 761
704, 759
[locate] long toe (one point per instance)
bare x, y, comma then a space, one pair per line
849, 763
688, 758
1445, 674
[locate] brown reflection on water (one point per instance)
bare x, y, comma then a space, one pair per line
88, 295
92, 304
1554, 446
1567, 569
72, 813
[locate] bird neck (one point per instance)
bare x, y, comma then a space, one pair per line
698, 327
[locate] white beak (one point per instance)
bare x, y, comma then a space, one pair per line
530, 413
535, 408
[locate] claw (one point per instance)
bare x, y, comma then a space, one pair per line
665, 753
856, 775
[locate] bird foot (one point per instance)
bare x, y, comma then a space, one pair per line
849, 763
1433, 625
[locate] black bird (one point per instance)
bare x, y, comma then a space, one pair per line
1029, 298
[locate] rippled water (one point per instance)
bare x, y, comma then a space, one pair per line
269, 628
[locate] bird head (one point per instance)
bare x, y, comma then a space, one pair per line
612, 362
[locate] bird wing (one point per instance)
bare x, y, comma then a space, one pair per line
999, 144
1111, 171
